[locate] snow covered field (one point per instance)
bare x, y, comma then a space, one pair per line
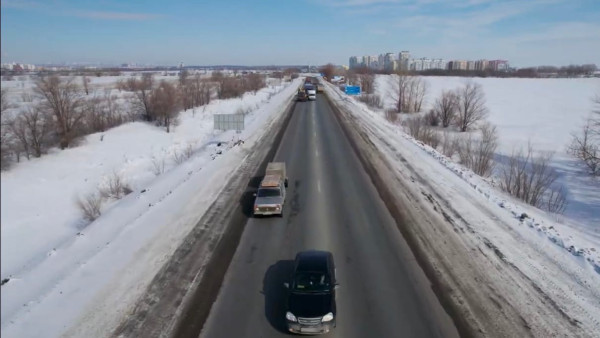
56, 261
560, 259
544, 112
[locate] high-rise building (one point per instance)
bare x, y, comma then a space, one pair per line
404, 58
438, 64
353, 62
388, 61
458, 65
498, 65
481, 65
372, 62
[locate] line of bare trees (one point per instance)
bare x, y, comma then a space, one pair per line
235, 86
527, 176
60, 109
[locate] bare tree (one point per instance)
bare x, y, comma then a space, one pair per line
471, 106
556, 201
529, 177
255, 82
391, 115
408, 92
183, 77
5, 137
445, 107
201, 92
186, 92
586, 147
142, 89
86, 83
328, 71
4, 105
31, 128
483, 163
367, 83
419, 89
449, 144
165, 104
63, 99
399, 92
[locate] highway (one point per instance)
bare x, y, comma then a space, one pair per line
331, 205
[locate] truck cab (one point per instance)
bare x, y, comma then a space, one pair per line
311, 91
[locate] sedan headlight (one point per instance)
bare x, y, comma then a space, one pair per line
290, 316
278, 206
327, 318
256, 207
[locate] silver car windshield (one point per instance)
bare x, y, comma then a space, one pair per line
268, 193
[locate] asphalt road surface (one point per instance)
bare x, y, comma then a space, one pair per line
331, 205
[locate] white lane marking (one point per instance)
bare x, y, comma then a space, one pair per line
319, 185
316, 152
314, 133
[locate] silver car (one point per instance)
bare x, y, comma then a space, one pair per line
270, 201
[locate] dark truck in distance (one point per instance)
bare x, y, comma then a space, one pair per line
311, 307
301, 96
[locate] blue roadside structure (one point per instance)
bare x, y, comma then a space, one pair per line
353, 90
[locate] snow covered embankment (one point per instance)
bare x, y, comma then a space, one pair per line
55, 279
505, 277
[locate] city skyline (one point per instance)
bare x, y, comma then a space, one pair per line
404, 61
532, 33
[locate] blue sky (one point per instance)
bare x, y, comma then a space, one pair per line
263, 32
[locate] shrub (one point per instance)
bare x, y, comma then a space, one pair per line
114, 187
432, 119
90, 206
478, 155
372, 100
530, 178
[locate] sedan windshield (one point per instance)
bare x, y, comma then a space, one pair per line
269, 193
311, 282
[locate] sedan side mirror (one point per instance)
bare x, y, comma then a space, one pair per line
336, 286
287, 285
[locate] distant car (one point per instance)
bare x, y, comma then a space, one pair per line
311, 307
301, 96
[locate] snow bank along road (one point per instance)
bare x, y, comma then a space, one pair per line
491, 274
90, 282
333, 206
185, 287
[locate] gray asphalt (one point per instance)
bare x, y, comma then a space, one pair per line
331, 205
